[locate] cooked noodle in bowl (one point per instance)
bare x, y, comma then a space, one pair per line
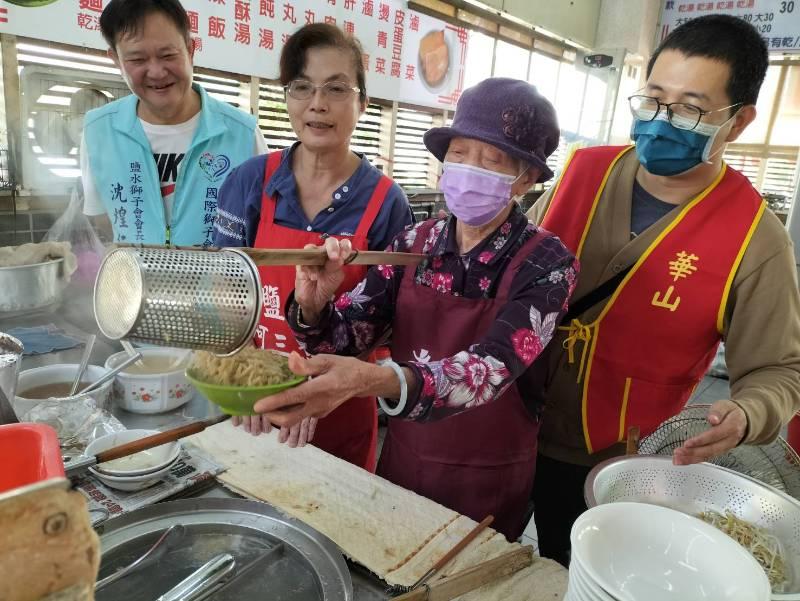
236, 382
248, 367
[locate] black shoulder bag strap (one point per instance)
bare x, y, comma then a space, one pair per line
590, 299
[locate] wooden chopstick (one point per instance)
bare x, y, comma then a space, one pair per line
448, 557
472, 578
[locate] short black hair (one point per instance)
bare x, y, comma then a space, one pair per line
729, 40
320, 35
126, 17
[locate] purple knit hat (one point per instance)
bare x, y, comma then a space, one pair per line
507, 113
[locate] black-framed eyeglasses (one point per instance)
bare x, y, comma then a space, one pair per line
679, 114
302, 89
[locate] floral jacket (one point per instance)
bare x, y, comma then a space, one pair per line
360, 319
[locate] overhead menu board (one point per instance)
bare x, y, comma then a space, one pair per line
778, 21
408, 56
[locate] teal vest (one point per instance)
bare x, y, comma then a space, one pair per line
126, 177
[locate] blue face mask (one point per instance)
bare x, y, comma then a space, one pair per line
667, 150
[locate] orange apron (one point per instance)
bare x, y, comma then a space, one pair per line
350, 431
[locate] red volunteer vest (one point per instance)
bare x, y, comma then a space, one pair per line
350, 431
658, 333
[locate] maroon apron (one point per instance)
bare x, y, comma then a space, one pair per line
351, 430
478, 462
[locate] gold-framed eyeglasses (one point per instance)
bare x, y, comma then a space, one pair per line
302, 89
679, 114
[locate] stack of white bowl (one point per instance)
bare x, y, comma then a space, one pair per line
134, 472
640, 552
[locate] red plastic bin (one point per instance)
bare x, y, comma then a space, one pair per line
30, 453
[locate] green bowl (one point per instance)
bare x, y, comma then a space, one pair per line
239, 400
31, 3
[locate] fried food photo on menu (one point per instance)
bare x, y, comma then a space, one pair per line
434, 57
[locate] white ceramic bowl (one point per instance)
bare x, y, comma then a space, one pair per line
60, 372
144, 463
582, 586
636, 551
130, 483
152, 392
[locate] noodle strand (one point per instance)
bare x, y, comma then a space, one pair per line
248, 367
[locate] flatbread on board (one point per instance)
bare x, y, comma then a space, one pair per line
395, 533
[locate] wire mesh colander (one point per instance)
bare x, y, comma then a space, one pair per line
188, 299
775, 464
694, 489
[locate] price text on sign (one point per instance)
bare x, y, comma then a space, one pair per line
778, 21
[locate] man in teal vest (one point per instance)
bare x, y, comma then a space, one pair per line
153, 162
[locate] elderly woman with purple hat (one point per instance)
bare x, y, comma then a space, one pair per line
464, 325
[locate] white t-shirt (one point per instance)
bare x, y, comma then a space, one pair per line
168, 144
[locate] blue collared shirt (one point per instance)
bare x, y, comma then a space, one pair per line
239, 204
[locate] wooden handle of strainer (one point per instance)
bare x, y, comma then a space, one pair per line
155, 440
313, 256
302, 256
632, 442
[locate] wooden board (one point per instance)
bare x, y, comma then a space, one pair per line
395, 533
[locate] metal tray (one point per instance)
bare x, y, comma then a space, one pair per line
311, 567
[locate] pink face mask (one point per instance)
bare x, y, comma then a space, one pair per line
474, 195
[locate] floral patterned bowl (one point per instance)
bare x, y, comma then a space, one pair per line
163, 389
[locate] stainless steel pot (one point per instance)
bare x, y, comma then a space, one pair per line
30, 287
10, 359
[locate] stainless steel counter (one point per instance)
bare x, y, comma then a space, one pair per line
74, 316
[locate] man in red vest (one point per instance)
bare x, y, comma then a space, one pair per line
707, 263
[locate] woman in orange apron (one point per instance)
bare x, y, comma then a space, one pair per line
316, 189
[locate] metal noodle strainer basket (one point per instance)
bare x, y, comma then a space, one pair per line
694, 489
776, 463
189, 298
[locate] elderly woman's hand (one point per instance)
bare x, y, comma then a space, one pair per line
315, 286
335, 380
